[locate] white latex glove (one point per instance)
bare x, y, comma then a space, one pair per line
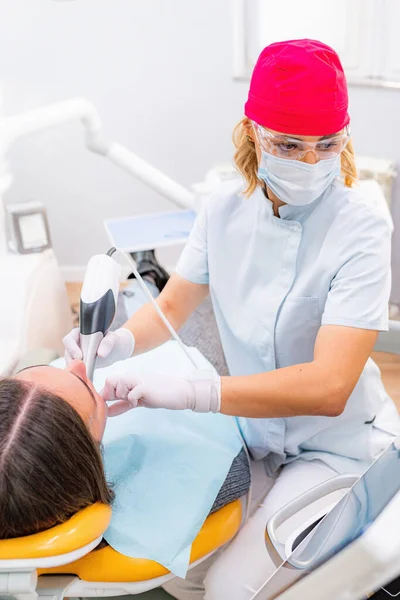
116, 345
200, 392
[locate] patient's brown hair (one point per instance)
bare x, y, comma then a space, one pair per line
50, 465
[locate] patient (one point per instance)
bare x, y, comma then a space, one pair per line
51, 425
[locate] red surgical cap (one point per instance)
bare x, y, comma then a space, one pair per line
299, 87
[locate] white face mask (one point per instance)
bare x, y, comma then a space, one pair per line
295, 182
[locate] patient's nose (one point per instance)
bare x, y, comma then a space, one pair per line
77, 367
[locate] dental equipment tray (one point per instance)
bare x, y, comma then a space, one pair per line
146, 232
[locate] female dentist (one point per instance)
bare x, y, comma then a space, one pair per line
298, 268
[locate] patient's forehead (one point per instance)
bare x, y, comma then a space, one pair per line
64, 384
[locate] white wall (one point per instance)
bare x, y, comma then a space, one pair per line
159, 72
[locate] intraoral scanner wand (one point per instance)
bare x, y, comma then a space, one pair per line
98, 305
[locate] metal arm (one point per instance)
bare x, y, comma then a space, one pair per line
13, 128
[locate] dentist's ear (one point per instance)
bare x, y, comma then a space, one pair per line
249, 131
78, 368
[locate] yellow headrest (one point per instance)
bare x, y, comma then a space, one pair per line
81, 529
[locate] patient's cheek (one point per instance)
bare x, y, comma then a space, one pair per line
101, 420
105, 417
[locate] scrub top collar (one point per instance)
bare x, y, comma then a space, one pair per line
288, 212
297, 213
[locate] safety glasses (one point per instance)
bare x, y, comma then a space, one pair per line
287, 147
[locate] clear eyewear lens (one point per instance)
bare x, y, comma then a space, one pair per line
285, 147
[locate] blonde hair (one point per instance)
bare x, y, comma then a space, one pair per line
245, 158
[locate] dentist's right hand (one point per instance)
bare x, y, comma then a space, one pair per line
199, 391
116, 345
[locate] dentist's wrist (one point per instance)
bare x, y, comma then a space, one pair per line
205, 391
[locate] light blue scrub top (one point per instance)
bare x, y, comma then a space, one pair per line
274, 282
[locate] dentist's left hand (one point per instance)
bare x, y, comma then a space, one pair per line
115, 346
199, 392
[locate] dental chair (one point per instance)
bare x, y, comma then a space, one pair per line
63, 561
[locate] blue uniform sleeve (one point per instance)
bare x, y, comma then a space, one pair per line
360, 290
193, 262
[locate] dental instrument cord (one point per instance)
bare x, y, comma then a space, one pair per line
176, 337
154, 303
